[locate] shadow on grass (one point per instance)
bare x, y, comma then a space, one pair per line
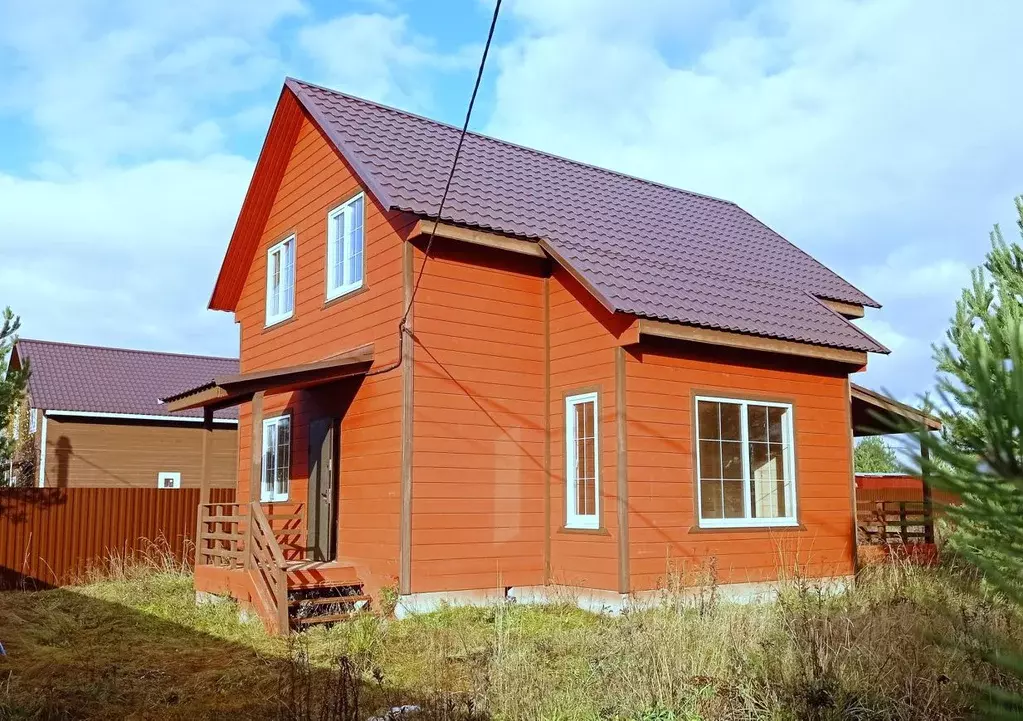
124, 651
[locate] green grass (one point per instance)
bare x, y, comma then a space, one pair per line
899, 646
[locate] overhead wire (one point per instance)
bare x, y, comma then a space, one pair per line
402, 324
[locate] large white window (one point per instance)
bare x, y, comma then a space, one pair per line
345, 248
276, 459
745, 463
280, 281
582, 462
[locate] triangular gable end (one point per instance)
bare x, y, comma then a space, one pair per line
263, 187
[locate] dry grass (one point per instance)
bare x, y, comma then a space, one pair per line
899, 646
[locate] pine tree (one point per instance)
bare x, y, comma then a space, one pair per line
873, 455
979, 456
12, 386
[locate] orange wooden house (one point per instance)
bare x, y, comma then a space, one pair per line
588, 381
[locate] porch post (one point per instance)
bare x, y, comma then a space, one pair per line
255, 472
925, 456
204, 481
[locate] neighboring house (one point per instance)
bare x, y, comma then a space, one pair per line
600, 378
96, 418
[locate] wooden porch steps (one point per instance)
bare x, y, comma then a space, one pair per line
332, 618
322, 592
315, 574
327, 600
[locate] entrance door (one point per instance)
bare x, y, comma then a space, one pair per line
323, 473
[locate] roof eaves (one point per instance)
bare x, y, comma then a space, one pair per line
880, 347
364, 174
870, 302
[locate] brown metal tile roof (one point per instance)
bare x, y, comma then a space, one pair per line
69, 377
648, 249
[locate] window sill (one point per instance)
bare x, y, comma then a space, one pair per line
741, 528
585, 531
274, 322
336, 297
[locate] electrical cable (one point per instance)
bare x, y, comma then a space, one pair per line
402, 328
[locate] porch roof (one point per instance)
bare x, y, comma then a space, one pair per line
230, 390
874, 414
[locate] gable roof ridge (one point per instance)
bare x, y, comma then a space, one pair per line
126, 350
534, 151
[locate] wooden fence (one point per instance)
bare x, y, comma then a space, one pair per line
51, 536
895, 521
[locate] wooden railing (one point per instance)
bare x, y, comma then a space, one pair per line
895, 522
266, 569
221, 535
287, 520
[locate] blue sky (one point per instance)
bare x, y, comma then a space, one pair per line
879, 135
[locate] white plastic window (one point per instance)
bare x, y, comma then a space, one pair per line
280, 281
745, 463
345, 247
582, 455
276, 459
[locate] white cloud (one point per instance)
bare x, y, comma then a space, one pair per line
854, 128
122, 80
115, 221
125, 256
378, 57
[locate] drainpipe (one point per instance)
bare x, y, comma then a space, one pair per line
42, 452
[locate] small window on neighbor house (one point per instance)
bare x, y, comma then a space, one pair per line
345, 248
168, 479
745, 463
280, 281
582, 462
32, 420
276, 459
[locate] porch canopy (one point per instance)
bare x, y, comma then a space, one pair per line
231, 390
874, 414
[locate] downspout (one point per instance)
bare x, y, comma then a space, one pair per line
42, 452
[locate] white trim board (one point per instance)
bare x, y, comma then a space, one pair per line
137, 417
42, 455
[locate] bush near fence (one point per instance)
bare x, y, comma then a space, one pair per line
53, 536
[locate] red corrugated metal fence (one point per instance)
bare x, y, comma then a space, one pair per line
895, 487
50, 536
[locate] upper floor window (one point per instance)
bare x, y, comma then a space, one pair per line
745, 463
32, 420
582, 462
276, 459
345, 247
280, 281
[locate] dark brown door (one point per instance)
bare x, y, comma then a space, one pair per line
323, 473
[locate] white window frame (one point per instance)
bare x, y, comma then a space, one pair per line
272, 496
347, 285
273, 318
32, 422
789, 463
173, 476
574, 519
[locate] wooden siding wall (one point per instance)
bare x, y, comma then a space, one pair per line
661, 384
583, 338
49, 536
85, 452
478, 447
315, 181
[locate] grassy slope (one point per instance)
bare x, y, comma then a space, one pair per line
139, 647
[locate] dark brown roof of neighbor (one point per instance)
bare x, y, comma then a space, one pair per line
646, 248
69, 377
